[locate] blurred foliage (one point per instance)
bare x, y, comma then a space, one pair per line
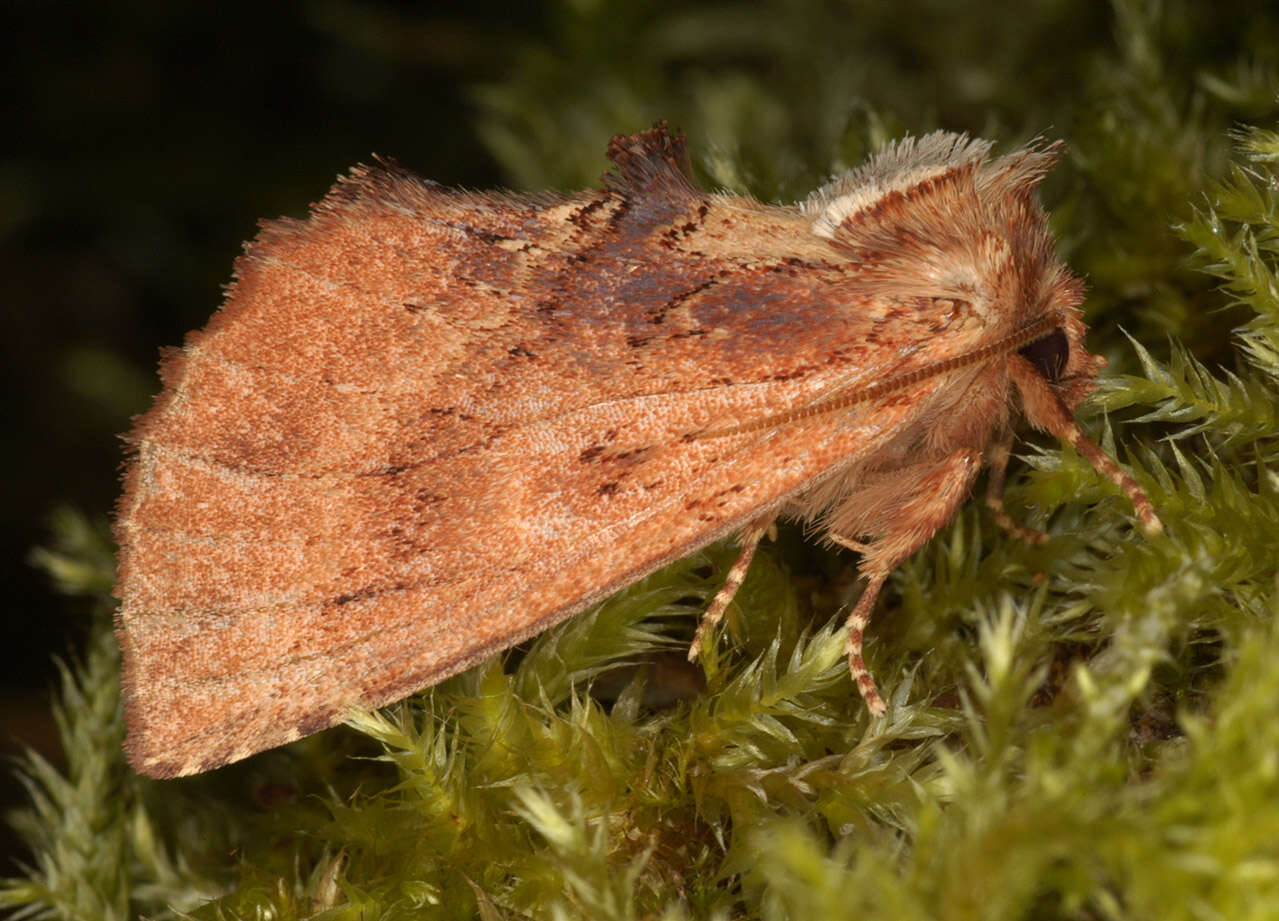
1078, 730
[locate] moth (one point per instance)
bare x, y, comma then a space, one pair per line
428, 424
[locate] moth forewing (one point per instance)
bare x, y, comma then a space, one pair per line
426, 425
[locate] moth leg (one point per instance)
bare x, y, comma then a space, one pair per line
997, 458
1045, 410
752, 534
856, 624
905, 509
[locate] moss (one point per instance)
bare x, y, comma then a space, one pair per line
1080, 730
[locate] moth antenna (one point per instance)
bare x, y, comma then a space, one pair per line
842, 399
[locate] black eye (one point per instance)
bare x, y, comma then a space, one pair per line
1049, 355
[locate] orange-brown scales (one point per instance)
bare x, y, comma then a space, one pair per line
428, 424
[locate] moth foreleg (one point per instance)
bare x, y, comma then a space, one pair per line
1045, 411
997, 456
928, 497
752, 534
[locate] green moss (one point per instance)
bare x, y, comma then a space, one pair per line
1079, 730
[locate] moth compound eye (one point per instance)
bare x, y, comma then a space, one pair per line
1049, 355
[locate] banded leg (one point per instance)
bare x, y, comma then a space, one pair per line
856, 624
997, 456
752, 534
1045, 410
905, 509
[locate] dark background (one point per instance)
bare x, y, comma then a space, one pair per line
142, 142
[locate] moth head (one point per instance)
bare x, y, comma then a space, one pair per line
936, 220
